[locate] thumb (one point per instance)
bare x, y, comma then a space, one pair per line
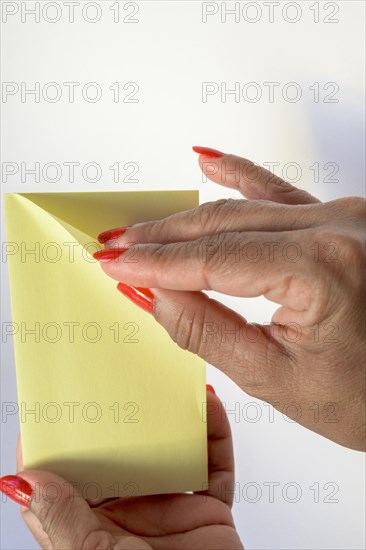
222, 337
54, 511
58, 516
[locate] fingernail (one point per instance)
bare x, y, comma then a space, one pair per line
16, 488
112, 234
210, 388
214, 153
142, 297
109, 254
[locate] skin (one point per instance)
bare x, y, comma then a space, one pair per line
306, 256
310, 356
162, 522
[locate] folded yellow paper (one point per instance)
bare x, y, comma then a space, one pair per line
106, 399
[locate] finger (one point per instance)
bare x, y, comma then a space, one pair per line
56, 513
217, 217
221, 468
239, 264
245, 352
31, 521
253, 181
35, 527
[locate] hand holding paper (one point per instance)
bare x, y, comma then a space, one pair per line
302, 254
194, 521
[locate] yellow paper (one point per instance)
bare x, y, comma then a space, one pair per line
106, 399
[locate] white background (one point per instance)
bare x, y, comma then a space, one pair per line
169, 52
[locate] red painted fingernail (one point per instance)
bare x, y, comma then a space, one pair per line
142, 297
111, 234
109, 254
210, 388
214, 153
16, 488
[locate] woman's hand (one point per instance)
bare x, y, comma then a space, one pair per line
167, 522
284, 244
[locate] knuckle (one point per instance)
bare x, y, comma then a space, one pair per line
188, 329
352, 251
354, 204
219, 257
348, 211
164, 254
54, 512
337, 257
213, 214
210, 256
279, 184
337, 246
160, 228
139, 232
260, 205
273, 183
